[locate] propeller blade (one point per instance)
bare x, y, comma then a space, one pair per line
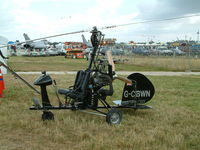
110, 59
124, 80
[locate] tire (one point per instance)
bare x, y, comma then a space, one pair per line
114, 116
47, 115
74, 56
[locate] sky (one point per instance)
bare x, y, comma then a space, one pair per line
41, 18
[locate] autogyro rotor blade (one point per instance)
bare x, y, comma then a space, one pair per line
109, 27
52, 36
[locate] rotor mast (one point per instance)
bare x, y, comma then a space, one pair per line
95, 40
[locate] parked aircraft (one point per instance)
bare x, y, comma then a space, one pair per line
141, 51
43, 44
55, 49
177, 51
163, 50
60, 48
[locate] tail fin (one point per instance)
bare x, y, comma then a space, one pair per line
140, 91
89, 45
28, 43
26, 37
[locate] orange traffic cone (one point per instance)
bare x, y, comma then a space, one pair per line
2, 87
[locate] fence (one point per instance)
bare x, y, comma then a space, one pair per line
187, 62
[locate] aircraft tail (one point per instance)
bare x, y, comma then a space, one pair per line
88, 44
26, 37
28, 44
139, 92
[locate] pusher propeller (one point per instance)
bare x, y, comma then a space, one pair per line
111, 62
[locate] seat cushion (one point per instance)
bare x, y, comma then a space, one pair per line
64, 91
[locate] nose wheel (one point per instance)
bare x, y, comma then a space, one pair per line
47, 115
114, 116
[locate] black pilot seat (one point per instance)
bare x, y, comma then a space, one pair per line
79, 91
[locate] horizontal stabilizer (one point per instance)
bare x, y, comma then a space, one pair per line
117, 102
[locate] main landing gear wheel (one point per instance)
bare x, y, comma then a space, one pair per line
47, 115
114, 116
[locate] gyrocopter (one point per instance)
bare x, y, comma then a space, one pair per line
91, 88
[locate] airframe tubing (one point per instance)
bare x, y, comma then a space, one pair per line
99, 107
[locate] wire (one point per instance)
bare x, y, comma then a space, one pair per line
106, 27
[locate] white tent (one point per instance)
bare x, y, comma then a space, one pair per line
3, 42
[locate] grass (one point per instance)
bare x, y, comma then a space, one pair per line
161, 63
136, 63
173, 123
57, 63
